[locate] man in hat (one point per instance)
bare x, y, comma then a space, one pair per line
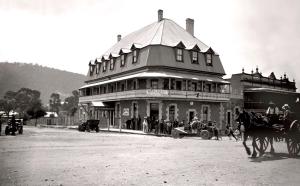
272, 113
286, 116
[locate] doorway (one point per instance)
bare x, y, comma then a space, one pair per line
191, 116
154, 111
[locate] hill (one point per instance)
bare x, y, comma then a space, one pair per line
14, 76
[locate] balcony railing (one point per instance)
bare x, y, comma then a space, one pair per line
157, 93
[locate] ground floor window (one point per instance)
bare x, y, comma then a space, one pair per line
172, 113
205, 113
228, 117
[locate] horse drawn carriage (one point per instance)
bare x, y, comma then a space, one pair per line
264, 132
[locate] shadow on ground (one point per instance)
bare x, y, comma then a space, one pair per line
273, 157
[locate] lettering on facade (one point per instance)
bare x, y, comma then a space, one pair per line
157, 92
125, 111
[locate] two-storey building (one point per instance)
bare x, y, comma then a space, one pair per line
161, 71
256, 91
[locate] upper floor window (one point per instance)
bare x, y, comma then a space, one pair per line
104, 66
134, 56
154, 84
194, 57
112, 64
208, 59
179, 54
97, 68
122, 58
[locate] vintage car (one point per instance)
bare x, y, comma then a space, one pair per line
13, 128
89, 125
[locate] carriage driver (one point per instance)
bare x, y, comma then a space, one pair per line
272, 113
286, 115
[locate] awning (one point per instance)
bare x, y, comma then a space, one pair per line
161, 74
98, 104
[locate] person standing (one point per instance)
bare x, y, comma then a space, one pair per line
215, 130
145, 125
230, 132
272, 113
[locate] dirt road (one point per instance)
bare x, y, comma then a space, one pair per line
43, 156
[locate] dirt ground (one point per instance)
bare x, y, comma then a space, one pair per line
43, 156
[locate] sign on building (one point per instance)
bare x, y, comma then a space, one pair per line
125, 111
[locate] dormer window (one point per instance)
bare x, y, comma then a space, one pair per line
122, 58
91, 70
97, 68
134, 56
104, 66
112, 63
208, 57
194, 57
179, 51
179, 54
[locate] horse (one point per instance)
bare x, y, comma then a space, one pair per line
259, 129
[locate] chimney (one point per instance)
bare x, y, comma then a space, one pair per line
119, 37
190, 26
160, 15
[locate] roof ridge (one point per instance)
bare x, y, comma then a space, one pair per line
162, 32
157, 31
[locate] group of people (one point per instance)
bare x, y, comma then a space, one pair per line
158, 126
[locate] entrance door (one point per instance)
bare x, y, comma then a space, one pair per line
154, 112
111, 117
191, 115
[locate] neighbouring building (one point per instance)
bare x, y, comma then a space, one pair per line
161, 71
255, 91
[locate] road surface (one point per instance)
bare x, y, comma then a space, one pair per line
44, 156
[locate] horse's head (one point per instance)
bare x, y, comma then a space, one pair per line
243, 118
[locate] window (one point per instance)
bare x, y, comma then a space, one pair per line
154, 84
166, 84
172, 113
134, 56
97, 68
91, 69
194, 86
209, 59
118, 110
194, 57
205, 113
178, 85
134, 85
122, 60
179, 54
104, 66
112, 64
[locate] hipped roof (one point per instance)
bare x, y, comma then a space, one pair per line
165, 32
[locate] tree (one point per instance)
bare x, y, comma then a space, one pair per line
71, 103
55, 102
36, 111
8, 103
25, 99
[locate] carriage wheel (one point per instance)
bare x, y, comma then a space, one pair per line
293, 146
293, 138
204, 134
261, 144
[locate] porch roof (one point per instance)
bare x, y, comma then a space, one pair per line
161, 74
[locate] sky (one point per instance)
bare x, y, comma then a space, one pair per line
67, 34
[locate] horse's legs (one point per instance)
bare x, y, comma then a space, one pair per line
254, 154
245, 145
272, 151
